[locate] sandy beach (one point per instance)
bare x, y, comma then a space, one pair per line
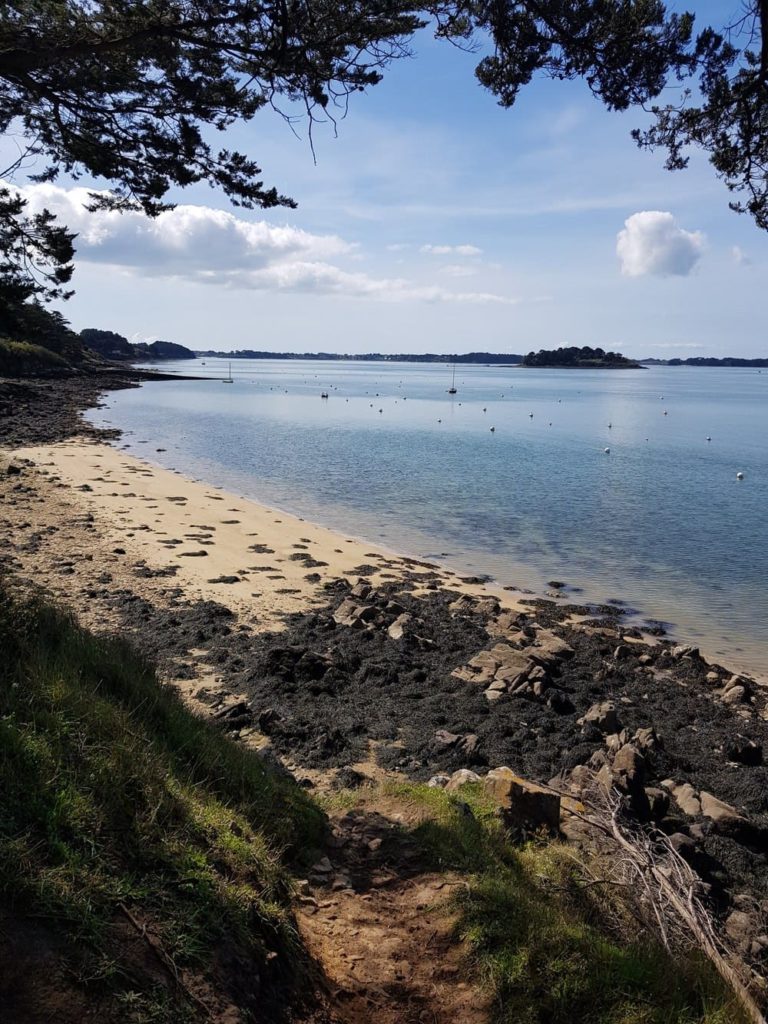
217, 546
342, 662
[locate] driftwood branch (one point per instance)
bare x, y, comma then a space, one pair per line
669, 891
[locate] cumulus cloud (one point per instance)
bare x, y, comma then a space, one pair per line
213, 246
652, 243
451, 250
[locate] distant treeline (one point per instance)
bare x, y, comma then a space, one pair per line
369, 357
710, 361
580, 358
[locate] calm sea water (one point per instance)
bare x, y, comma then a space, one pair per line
660, 522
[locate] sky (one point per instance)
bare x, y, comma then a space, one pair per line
434, 220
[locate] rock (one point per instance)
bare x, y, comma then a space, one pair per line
446, 739
397, 630
469, 744
13, 469
712, 678
493, 695
559, 703
439, 781
464, 605
744, 751
350, 613
742, 929
646, 740
267, 719
721, 813
323, 867
683, 845
523, 802
603, 716
658, 803
621, 652
684, 651
461, 778
550, 648
735, 695
685, 796
361, 590
645, 659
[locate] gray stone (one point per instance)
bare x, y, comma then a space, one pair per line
461, 778
603, 716
439, 781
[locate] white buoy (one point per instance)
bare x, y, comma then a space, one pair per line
708, 437
607, 451
739, 476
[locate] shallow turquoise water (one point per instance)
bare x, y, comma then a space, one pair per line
660, 522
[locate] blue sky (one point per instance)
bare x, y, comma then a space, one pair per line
436, 221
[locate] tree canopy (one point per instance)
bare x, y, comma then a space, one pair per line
135, 91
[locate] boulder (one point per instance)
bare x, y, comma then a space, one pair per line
439, 781
603, 716
361, 590
523, 802
461, 778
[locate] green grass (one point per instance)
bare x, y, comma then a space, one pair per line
115, 796
20, 357
551, 949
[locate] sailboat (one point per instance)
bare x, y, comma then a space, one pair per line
229, 378
452, 388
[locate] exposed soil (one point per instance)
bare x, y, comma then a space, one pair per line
378, 920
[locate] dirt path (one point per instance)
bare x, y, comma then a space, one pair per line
380, 923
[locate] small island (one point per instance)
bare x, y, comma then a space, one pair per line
584, 358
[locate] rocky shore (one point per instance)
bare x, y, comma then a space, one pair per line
347, 664
46, 409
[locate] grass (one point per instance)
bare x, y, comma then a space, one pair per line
117, 801
20, 357
551, 949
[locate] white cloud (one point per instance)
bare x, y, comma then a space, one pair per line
652, 243
739, 257
460, 269
451, 250
213, 246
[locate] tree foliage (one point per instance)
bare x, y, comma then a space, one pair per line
136, 91
579, 358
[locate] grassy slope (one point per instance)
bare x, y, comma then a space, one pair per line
18, 358
552, 949
115, 802
118, 805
